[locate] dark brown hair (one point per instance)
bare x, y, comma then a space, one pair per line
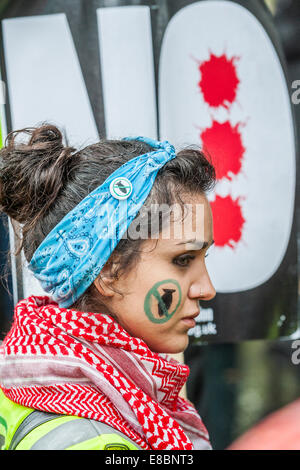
41, 180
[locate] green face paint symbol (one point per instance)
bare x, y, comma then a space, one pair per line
163, 296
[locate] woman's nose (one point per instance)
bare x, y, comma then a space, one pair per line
202, 289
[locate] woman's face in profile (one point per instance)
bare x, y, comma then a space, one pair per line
162, 292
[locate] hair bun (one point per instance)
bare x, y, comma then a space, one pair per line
32, 173
46, 137
47, 134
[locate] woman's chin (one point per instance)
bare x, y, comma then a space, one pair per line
175, 347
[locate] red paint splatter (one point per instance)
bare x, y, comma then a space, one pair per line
228, 221
219, 80
224, 144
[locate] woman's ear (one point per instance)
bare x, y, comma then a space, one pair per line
105, 280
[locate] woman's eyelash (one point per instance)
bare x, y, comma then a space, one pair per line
184, 258
177, 261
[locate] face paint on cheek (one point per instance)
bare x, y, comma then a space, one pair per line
162, 301
167, 298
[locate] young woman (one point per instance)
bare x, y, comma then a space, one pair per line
117, 234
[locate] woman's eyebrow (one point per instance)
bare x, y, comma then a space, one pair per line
197, 244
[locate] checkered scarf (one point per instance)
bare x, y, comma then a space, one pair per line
77, 363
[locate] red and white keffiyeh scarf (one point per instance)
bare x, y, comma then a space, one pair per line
65, 361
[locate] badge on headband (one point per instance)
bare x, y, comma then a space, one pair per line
120, 188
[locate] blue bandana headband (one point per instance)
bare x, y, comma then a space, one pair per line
72, 255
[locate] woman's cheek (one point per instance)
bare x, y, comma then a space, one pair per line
163, 300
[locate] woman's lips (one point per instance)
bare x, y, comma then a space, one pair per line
190, 322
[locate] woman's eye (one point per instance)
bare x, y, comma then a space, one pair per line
183, 261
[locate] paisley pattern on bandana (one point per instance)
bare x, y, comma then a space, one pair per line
74, 252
